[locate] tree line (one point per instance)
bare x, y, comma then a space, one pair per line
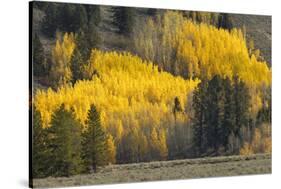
64, 149
221, 121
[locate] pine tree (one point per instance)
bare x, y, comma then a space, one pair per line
50, 21
76, 66
225, 21
177, 107
229, 110
94, 141
80, 18
241, 100
124, 19
93, 14
39, 59
152, 12
64, 144
39, 147
199, 117
215, 112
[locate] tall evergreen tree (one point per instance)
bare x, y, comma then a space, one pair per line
225, 21
39, 59
241, 100
76, 66
93, 14
199, 118
85, 41
39, 148
177, 107
64, 144
94, 142
124, 19
50, 21
229, 110
215, 112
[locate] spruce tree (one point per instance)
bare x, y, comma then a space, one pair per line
64, 144
39, 59
177, 107
76, 66
199, 117
39, 148
124, 19
93, 14
225, 21
241, 100
50, 21
229, 110
94, 142
215, 112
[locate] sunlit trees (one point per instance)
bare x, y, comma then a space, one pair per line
182, 47
61, 58
146, 108
127, 91
110, 150
260, 141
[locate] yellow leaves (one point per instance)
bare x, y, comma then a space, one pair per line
246, 149
61, 57
217, 51
125, 88
158, 142
267, 145
111, 150
261, 142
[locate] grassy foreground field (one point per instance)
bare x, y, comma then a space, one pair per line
167, 170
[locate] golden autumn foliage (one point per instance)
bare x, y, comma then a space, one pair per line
125, 86
246, 149
111, 149
61, 57
201, 50
128, 92
219, 52
261, 142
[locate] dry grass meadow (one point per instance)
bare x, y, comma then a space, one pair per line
167, 170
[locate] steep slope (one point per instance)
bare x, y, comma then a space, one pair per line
258, 28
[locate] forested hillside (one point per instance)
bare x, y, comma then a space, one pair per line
126, 85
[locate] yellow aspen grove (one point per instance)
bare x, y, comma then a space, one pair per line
219, 52
130, 94
61, 57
